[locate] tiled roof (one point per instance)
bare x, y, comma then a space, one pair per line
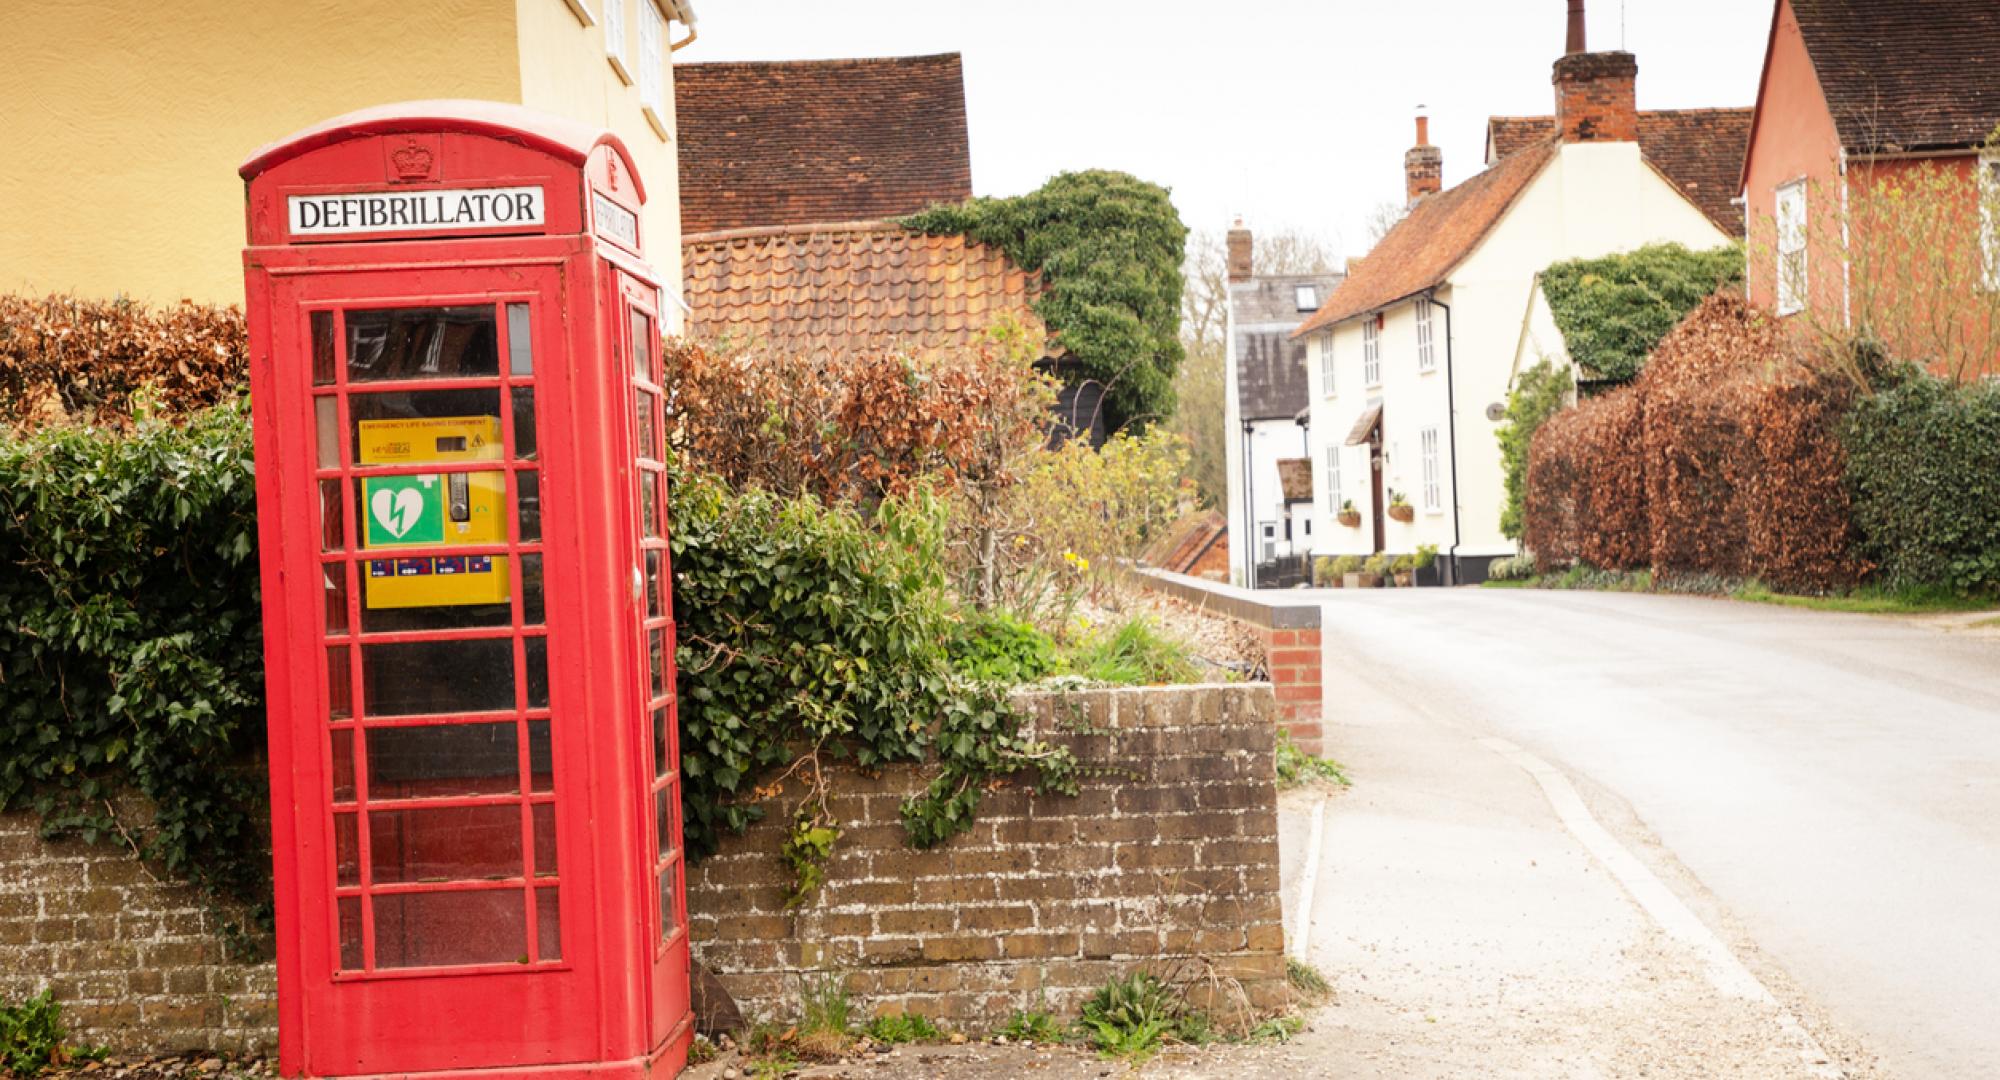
1436, 235
1295, 477
862, 285
1699, 150
787, 143
1270, 368
1903, 75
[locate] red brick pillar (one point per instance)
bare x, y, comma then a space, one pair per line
1294, 660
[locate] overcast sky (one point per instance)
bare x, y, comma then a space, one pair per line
1293, 113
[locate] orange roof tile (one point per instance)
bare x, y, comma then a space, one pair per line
1699, 151
856, 286
1424, 248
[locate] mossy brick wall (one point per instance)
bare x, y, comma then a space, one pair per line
138, 964
1168, 859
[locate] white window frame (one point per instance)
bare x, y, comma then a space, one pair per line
1326, 368
1989, 216
614, 37
1433, 472
1789, 215
1333, 496
1426, 356
1371, 351
1305, 297
653, 65
582, 12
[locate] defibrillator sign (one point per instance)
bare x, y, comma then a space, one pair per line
426, 210
432, 509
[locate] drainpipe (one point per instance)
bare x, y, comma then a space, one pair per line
1249, 508
1451, 428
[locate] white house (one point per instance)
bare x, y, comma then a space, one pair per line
1264, 411
1409, 360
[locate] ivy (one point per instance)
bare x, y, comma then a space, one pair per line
1109, 247
1613, 310
1539, 393
131, 642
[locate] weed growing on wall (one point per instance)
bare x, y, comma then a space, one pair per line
1109, 247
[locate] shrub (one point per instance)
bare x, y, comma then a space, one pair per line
131, 645
1923, 469
31, 1035
1586, 499
1425, 558
1323, 571
1130, 1017
1613, 310
997, 647
1109, 248
1377, 564
1537, 394
1348, 564
106, 362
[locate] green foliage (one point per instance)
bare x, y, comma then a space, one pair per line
806, 631
1377, 564
1425, 558
32, 1037
1868, 599
131, 644
1519, 568
1136, 653
1032, 1025
1277, 1029
1109, 247
994, 646
825, 1004
1923, 473
1130, 1017
1296, 767
1306, 979
903, 1028
1613, 310
806, 848
1539, 393
1349, 564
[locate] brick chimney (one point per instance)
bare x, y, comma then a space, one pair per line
1423, 164
1239, 252
1596, 100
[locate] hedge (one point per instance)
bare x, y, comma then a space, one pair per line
1613, 310
104, 362
1586, 498
1924, 475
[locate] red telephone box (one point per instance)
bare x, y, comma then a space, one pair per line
455, 372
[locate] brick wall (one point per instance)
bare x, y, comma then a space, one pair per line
1170, 860
138, 964
1290, 632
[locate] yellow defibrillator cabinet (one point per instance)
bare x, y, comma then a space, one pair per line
433, 509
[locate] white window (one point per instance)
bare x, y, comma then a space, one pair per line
1371, 351
1333, 499
1307, 297
1426, 359
1989, 217
652, 66
582, 12
1791, 266
614, 37
1433, 479
1326, 363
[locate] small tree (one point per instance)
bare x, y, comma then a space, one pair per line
1539, 393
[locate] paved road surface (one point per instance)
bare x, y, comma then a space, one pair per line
1832, 781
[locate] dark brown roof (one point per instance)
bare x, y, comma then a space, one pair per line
1436, 235
1699, 150
862, 285
1295, 477
1905, 75
793, 142
1183, 544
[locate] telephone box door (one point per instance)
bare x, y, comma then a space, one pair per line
449, 832
636, 318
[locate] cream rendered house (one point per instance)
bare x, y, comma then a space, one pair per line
1409, 361
125, 127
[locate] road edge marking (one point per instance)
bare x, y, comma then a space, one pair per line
1308, 881
1725, 971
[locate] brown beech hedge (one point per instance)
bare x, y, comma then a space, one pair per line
1723, 459
102, 361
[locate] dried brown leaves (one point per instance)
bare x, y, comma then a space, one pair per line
66, 359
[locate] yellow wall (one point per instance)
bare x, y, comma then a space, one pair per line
125, 123
564, 70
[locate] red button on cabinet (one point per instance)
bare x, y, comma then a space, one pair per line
455, 375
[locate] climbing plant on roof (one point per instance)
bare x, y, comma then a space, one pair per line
1613, 310
1109, 247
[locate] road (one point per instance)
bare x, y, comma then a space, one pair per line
1821, 790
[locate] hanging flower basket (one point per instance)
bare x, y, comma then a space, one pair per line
1404, 513
1350, 518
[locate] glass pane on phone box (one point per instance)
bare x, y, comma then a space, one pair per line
544, 817
520, 341
441, 761
346, 850
649, 519
533, 606
422, 343
642, 424
442, 929
642, 353
334, 577
548, 923
339, 683
322, 348
669, 911
326, 431
332, 527
523, 398
418, 677
535, 650
350, 933
528, 490
445, 843
412, 427
654, 601
343, 765
661, 718
541, 761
